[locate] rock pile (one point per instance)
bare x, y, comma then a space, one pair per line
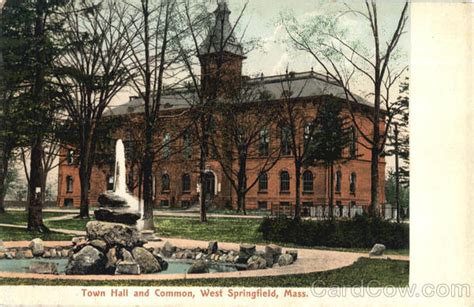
35, 249
113, 248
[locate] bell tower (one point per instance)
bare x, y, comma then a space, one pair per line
221, 56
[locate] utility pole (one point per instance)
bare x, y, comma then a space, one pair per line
397, 177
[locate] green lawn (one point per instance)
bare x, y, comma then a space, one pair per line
19, 234
21, 217
72, 224
378, 272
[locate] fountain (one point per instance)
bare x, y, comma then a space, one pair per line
114, 243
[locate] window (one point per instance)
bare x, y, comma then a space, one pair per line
284, 181
185, 204
353, 144
262, 205
68, 202
307, 181
338, 181
264, 143
166, 146
164, 203
186, 183
352, 183
70, 157
165, 183
187, 146
285, 141
110, 183
69, 184
307, 135
263, 182
128, 145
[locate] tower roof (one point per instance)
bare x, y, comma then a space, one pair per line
221, 36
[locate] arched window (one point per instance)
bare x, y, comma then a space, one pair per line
186, 183
285, 141
307, 181
110, 183
187, 146
166, 146
338, 181
69, 184
353, 144
264, 142
284, 181
165, 183
70, 157
263, 182
352, 182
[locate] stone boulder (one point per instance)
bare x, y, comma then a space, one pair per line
271, 254
106, 215
377, 250
293, 253
114, 234
37, 247
28, 254
168, 249
256, 263
127, 268
110, 199
100, 245
285, 259
126, 255
212, 247
42, 268
248, 249
111, 260
147, 262
198, 267
87, 261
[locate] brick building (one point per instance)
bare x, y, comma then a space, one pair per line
177, 173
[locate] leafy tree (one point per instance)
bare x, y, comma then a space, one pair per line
328, 137
390, 192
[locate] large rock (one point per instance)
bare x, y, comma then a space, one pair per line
377, 250
110, 199
111, 260
147, 262
87, 261
256, 263
126, 255
198, 267
168, 249
100, 245
114, 234
212, 247
272, 253
42, 268
127, 268
293, 253
248, 249
37, 247
106, 215
285, 259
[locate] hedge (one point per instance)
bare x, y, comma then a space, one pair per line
360, 232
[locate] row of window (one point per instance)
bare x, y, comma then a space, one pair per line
264, 144
308, 182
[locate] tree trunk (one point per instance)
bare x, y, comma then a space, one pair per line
203, 179
3, 176
35, 206
298, 189
242, 182
84, 178
374, 187
397, 175
331, 190
148, 181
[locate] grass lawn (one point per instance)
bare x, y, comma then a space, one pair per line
19, 234
72, 224
378, 272
21, 217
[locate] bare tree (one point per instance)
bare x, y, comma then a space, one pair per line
90, 73
244, 123
344, 60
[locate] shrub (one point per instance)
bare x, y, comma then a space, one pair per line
359, 232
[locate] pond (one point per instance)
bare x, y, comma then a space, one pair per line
174, 266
